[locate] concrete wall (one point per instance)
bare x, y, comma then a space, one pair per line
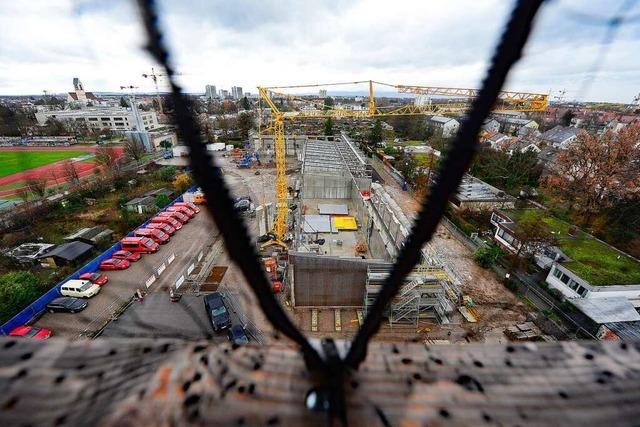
326, 186
328, 281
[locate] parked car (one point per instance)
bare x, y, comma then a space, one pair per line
79, 288
114, 264
97, 278
182, 209
161, 226
31, 332
156, 235
217, 311
139, 244
176, 215
67, 305
126, 255
190, 205
237, 335
242, 205
177, 225
237, 199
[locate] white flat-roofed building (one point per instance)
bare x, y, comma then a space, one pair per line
115, 119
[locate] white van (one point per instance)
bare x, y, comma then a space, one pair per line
79, 288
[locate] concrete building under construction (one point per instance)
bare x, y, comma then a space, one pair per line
348, 231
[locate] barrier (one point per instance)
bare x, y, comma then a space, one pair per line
179, 282
191, 268
162, 268
150, 280
171, 258
33, 310
200, 256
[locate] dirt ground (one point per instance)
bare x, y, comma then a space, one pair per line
496, 306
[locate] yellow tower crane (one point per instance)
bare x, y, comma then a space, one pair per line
458, 101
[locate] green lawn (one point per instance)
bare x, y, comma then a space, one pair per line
593, 260
17, 161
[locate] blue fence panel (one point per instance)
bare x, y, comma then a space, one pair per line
34, 309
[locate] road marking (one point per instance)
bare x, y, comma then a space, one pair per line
150, 280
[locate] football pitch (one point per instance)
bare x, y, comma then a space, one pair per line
17, 161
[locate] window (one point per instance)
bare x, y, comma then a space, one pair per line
565, 279
557, 273
93, 119
582, 291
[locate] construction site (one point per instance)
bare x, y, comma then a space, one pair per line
336, 230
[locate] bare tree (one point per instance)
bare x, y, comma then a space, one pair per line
70, 172
108, 157
134, 149
37, 185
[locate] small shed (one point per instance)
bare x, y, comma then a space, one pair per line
91, 235
142, 204
159, 192
67, 253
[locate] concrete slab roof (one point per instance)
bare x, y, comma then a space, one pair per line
607, 310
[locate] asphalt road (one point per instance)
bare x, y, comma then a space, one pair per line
157, 317
185, 244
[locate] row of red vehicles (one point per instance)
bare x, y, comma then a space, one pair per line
148, 239
145, 240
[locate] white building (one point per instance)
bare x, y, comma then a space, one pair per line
115, 119
512, 125
210, 91
491, 125
442, 126
560, 136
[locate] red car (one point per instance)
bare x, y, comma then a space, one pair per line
182, 209
31, 332
189, 205
95, 278
114, 264
177, 225
164, 227
158, 236
129, 256
179, 216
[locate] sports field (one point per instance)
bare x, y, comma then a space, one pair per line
17, 161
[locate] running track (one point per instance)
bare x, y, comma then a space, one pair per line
54, 172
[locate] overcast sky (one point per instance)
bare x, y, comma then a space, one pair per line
46, 43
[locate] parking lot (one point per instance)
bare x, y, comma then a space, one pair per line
157, 317
185, 245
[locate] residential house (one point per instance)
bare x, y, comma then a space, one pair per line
580, 266
91, 235
445, 127
512, 125
559, 136
498, 141
491, 125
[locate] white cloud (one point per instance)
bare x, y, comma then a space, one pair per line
269, 42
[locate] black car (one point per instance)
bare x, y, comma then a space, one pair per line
237, 335
67, 305
243, 205
237, 199
217, 311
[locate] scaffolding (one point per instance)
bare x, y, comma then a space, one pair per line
422, 296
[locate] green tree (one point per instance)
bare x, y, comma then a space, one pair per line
375, 136
245, 124
162, 201
245, 104
485, 257
165, 144
328, 127
167, 173
123, 102
328, 102
182, 182
407, 167
17, 290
